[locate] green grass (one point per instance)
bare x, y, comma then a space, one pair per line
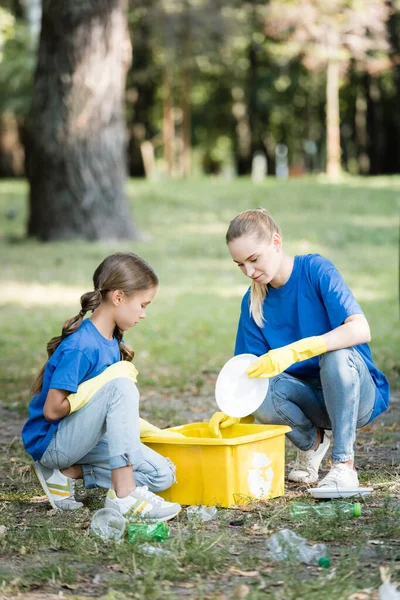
188, 335
191, 325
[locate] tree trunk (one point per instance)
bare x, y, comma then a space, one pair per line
168, 122
77, 158
332, 121
186, 122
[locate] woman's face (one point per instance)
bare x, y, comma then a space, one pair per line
257, 259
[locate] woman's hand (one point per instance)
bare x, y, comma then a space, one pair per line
277, 361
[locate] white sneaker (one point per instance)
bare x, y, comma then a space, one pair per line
305, 469
340, 477
144, 504
58, 488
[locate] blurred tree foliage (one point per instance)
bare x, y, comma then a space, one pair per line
209, 85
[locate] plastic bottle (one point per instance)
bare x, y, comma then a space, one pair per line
287, 545
325, 509
203, 513
108, 524
138, 532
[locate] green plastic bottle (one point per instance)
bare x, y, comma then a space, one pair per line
139, 532
325, 509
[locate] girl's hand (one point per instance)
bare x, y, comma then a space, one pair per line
277, 361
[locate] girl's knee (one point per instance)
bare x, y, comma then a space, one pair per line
126, 387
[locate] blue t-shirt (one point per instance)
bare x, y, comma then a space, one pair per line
82, 355
313, 301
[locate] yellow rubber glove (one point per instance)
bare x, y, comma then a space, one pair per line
89, 388
276, 361
220, 420
148, 430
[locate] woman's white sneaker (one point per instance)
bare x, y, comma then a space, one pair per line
143, 504
341, 477
306, 466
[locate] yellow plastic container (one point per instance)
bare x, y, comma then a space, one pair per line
247, 464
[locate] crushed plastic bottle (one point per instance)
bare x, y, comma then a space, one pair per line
202, 513
108, 524
150, 550
287, 545
325, 509
158, 531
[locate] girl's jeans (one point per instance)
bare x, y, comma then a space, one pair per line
341, 399
104, 435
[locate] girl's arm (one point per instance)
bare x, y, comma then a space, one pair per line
355, 330
57, 405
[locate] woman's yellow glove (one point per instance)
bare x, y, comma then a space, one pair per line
220, 420
276, 361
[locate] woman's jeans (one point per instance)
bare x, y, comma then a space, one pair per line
104, 435
341, 399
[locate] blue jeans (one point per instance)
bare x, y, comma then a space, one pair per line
341, 399
104, 435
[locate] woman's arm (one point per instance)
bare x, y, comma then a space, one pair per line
355, 330
57, 405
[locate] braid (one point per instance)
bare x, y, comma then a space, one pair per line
89, 301
126, 352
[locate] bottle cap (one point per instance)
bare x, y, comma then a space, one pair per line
324, 562
357, 509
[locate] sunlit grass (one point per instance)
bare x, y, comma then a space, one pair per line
191, 325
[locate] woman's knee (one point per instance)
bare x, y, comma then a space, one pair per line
337, 361
269, 412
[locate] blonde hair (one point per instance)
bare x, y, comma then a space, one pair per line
120, 271
258, 222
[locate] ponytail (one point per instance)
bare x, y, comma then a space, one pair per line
126, 353
258, 293
89, 301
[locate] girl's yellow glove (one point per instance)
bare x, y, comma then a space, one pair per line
220, 420
276, 361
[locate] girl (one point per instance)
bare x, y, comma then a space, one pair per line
100, 442
312, 338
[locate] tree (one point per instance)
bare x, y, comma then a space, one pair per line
77, 161
327, 33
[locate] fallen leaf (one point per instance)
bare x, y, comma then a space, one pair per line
359, 596
236, 571
184, 584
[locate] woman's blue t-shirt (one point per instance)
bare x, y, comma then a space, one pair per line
313, 301
82, 355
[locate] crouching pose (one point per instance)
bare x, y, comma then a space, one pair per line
95, 434
312, 338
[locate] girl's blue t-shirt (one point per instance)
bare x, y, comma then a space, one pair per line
313, 301
82, 355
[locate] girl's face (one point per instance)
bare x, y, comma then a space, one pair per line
257, 259
130, 309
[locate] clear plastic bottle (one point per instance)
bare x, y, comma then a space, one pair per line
287, 545
325, 509
108, 524
202, 513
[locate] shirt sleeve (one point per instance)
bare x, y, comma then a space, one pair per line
337, 297
249, 337
70, 371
